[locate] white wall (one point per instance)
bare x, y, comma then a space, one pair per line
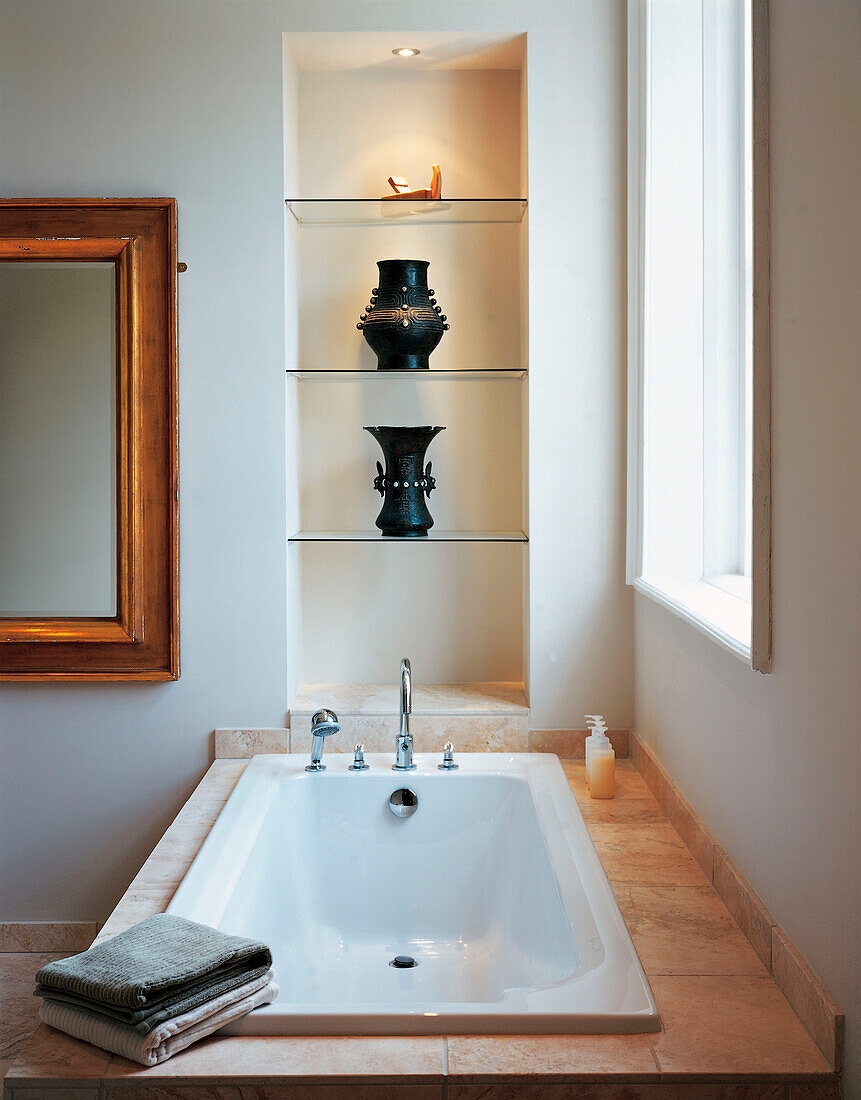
580, 646
160, 99
140, 97
773, 763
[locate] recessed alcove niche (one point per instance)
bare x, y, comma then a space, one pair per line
454, 602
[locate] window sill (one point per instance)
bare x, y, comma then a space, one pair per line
714, 612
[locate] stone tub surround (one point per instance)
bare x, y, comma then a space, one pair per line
728, 1032
383, 699
481, 717
468, 733
43, 935
571, 744
19, 1009
814, 1005
236, 744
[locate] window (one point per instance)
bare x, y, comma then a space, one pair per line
695, 498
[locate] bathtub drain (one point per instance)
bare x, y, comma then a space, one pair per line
403, 962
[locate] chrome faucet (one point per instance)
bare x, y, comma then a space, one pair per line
323, 725
404, 754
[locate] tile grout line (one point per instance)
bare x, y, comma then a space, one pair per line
654, 1054
708, 974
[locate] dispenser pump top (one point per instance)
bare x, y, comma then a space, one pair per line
598, 729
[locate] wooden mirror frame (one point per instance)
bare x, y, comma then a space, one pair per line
141, 642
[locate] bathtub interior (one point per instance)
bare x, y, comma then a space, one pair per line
338, 886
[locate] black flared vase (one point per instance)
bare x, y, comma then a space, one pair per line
403, 323
405, 483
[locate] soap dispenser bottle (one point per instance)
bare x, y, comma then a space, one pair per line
595, 724
602, 765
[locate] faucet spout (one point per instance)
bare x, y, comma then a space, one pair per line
404, 751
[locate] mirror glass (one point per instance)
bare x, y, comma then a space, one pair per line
58, 511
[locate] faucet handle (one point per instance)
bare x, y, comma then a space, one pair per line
448, 763
359, 764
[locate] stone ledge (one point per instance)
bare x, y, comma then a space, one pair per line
812, 1002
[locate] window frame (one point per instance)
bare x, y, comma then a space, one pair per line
712, 605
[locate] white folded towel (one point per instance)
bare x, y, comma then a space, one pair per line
167, 1038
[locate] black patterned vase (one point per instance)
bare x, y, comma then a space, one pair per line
405, 482
403, 323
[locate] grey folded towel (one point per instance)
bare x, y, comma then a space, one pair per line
151, 970
145, 1019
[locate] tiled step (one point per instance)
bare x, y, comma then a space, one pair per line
475, 717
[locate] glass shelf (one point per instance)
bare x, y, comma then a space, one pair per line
361, 375
404, 212
432, 536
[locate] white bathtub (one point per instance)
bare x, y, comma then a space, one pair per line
492, 886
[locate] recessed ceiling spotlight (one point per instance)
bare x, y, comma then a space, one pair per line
406, 51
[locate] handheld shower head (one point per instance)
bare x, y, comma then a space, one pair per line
323, 724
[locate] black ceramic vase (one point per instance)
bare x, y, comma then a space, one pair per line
403, 323
405, 482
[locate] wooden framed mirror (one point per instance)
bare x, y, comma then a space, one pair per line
88, 440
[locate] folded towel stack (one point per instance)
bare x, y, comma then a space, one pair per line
156, 988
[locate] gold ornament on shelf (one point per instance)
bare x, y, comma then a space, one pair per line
402, 189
